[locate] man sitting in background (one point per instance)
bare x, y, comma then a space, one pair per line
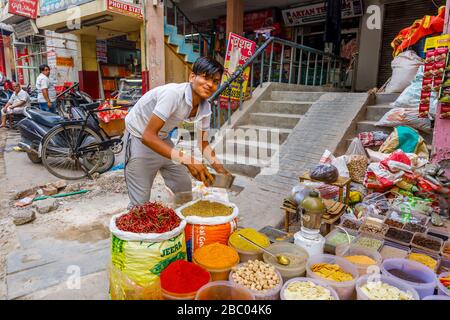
18, 101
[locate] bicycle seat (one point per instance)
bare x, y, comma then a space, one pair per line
45, 118
89, 106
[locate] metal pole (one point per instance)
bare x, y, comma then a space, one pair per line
192, 35
307, 68
321, 71
240, 92
328, 69
270, 62
334, 72
299, 76
229, 104
184, 28
290, 64
281, 63
262, 70
251, 79
175, 15
315, 70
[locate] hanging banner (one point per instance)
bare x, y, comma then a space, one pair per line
125, 8
25, 8
25, 29
239, 50
317, 13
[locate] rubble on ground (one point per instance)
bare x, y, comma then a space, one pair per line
46, 205
23, 215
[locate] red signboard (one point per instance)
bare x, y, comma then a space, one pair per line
125, 8
25, 8
252, 20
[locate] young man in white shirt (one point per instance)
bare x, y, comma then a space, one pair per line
15, 105
149, 148
46, 90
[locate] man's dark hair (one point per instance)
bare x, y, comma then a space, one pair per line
43, 66
207, 66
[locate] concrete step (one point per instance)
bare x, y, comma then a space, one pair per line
295, 95
383, 98
249, 148
270, 134
376, 112
246, 166
291, 107
278, 120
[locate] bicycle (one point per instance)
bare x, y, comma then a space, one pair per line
75, 149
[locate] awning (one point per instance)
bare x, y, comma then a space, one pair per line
6, 29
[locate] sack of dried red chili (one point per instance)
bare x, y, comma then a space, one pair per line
145, 241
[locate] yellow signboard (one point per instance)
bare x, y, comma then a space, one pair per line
64, 61
436, 42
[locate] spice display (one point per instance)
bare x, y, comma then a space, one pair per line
394, 223
216, 256
399, 235
149, 217
374, 229
414, 227
382, 291
423, 259
331, 272
447, 250
183, 277
407, 217
357, 165
351, 224
369, 243
306, 290
256, 275
423, 241
206, 208
361, 259
405, 276
388, 252
340, 238
241, 244
445, 281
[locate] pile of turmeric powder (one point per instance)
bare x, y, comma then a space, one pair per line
361, 259
331, 272
216, 256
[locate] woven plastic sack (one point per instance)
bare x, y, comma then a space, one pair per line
408, 140
201, 231
404, 68
405, 117
143, 256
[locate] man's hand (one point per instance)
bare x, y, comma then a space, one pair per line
220, 169
49, 103
199, 171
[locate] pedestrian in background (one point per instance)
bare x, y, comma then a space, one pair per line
15, 105
46, 90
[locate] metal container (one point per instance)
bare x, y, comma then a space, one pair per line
313, 209
222, 180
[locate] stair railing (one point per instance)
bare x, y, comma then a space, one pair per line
188, 28
298, 64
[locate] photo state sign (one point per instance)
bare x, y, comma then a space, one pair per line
25, 8
124, 8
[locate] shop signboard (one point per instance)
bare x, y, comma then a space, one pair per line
25, 8
252, 20
25, 29
317, 12
52, 6
101, 51
125, 8
64, 61
239, 50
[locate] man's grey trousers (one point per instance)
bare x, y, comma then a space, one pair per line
141, 166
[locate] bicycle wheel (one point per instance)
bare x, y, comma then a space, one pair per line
59, 152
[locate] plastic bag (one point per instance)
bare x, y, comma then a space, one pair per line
376, 156
356, 148
404, 68
379, 178
341, 164
373, 138
324, 172
406, 117
398, 161
107, 116
406, 139
356, 161
378, 202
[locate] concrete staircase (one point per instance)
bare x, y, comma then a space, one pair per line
263, 130
179, 43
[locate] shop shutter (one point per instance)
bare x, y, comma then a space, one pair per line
396, 17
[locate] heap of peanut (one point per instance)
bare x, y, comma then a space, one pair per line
256, 275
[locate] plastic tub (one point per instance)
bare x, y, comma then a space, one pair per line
404, 243
217, 274
361, 239
434, 256
316, 281
352, 250
376, 223
246, 255
345, 289
330, 247
446, 245
414, 269
297, 255
271, 294
427, 236
223, 290
441, 288
360, 295
393, 250
410, 217
437, 297
356, 221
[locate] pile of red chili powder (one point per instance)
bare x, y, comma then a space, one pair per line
183, 277
150, 217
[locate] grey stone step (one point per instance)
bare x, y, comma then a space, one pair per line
363, 126
245, 166
257, 149
376, 112
291, 107
279, 120
383, 98
271, 134
295, 95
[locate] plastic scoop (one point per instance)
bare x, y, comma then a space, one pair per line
283, 260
